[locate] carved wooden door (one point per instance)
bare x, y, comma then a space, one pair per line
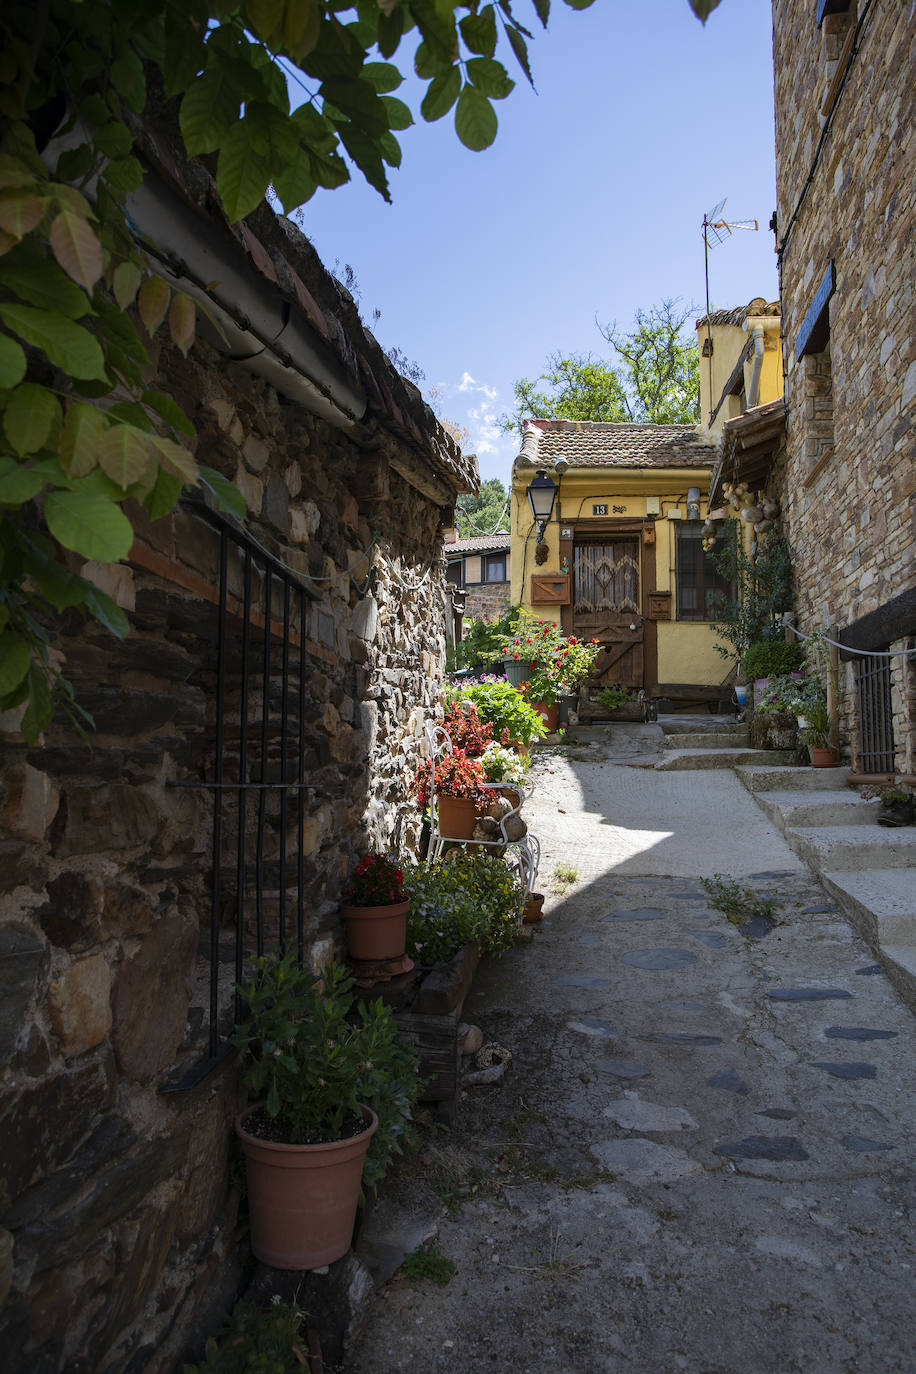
606, 600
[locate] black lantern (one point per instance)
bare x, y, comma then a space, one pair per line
542, 492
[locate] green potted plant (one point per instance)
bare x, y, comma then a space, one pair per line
898, 807
375, 909
505, 708
471, 898
335, 1091
816, 735
457, 782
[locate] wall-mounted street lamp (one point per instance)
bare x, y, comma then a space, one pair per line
542, 493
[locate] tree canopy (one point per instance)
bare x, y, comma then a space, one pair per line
657, 380
483, 514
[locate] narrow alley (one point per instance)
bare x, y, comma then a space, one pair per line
700, 1155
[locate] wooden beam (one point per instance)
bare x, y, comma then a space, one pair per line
894, 620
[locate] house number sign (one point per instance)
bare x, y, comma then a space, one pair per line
599, 510
603, 510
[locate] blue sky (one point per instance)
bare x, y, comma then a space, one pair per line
589, 202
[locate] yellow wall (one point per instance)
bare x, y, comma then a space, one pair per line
728, 341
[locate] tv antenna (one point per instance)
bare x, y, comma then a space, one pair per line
716, 230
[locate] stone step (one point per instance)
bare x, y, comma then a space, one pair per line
717, 739
844, 847
721, 758
688, 725
836, 806
761, 778
881, 904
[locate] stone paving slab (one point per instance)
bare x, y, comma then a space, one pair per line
700, 1165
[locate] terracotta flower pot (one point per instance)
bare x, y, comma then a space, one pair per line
823, 758
376, 932
533, 908
551, 714
302, 1198
457, 816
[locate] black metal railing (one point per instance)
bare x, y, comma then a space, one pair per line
257, 777
874, 714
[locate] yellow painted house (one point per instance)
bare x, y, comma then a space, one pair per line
620, 558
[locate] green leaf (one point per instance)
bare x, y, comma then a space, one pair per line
441, 95
76, 247
584, 5
210, 109
384, 76
182, 321
126, 283
520, 48
542, 8
114, 140
84, 427
12, 363
153, 302
75, 163
125, 175
61, 588
124, 454
242, 173
30, 415
701, 8
34, 277
399, 116
475, 119
100, 605
296, 184
175, 459
169, 411
165, 492
88, 522
128, 79
490, 77
479, 31
390, 150
366, 154
301, 27
67, 345
21, 211
39, 710
390, 32
265, 18
17, 483
228, 497
14, 661
95, 110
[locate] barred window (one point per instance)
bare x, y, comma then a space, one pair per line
700, 587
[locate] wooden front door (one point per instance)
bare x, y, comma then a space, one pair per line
606, 600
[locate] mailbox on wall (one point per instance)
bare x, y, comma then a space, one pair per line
550, 589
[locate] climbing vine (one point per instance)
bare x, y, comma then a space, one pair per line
80, 432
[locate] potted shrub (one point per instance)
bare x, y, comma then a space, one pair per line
464, 727
375, 909
457, 783
505, 708
465, 899
898, 807
335, 1090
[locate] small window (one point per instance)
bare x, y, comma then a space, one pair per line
493, 568
700, 587
453, 572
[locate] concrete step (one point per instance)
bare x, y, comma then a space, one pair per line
763, 778
717, 739
836, 806
678, 759
845, 847
881, 904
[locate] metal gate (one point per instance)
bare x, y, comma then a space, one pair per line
874, 714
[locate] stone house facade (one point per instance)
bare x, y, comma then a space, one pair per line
272, 694
481, 566
845, 81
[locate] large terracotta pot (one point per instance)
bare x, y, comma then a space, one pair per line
302, 1199
457, 816
551, 714
376, 932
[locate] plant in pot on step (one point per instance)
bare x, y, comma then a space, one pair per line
816, 735
335, 1090
457, 782
898, 807
375, 907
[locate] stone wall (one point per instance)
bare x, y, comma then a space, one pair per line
119, 1205
849, 498
487, 600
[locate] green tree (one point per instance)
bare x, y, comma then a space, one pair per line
483, 514
80, 300
658, 382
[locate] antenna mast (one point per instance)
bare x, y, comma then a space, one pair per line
715, 230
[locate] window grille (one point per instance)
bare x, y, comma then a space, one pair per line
607, 576
701, 589
257, 776
874, 714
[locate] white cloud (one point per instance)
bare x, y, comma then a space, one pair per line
468, 383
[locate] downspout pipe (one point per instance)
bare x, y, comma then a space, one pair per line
753, 390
